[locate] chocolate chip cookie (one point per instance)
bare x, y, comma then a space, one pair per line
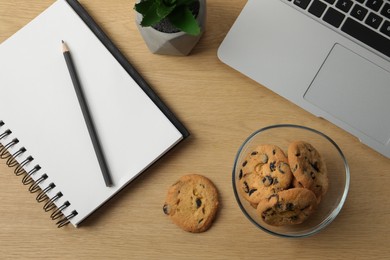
192, 203
264, 172
287, 207
308, 168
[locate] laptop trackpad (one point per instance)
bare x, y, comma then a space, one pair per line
344, 87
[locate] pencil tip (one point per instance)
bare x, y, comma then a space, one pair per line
64, 47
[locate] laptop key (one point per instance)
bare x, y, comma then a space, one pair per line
344, 5
359, 12
374, 4
367, 36
374, 20
302, 3
386, 10
386, 28
333, 17
317, 8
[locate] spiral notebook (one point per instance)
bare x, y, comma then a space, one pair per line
42, 130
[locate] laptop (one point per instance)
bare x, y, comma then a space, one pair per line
330, 57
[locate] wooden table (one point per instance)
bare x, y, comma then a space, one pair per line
220, 107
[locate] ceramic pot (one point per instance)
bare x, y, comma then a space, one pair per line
179, 43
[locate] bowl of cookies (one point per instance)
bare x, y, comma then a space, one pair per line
290, 180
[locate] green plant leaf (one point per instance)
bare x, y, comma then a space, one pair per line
151, 17
164, 10
143, 6
183, 19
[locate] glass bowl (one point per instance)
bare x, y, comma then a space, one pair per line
338, 175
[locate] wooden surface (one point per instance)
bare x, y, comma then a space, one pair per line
221, 108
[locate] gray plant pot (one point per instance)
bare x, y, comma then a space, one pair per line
178, 43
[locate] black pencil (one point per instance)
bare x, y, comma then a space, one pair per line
87, 116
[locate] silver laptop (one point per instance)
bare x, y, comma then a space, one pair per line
331, 57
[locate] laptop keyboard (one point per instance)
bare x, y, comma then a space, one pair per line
367, 21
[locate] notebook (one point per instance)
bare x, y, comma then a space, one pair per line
42, 125
330, 57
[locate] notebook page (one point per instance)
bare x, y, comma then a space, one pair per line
40, 106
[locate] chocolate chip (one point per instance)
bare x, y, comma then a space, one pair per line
267, 181
240, 175
251, 191
273, 195
293, 218
275, 181
289, 206
246, 187
312, 174
282, 167
315, 166
268, 211
273, 151
244, 163
200, 220
272, 166
198, 203
254, 152
166, 209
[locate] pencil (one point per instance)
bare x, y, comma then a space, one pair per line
87, 116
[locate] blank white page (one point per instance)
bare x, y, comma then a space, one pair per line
39, 104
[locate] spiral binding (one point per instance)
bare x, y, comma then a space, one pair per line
34, 185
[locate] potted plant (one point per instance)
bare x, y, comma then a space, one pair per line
171, 27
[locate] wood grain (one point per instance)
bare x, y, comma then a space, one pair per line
220, 107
